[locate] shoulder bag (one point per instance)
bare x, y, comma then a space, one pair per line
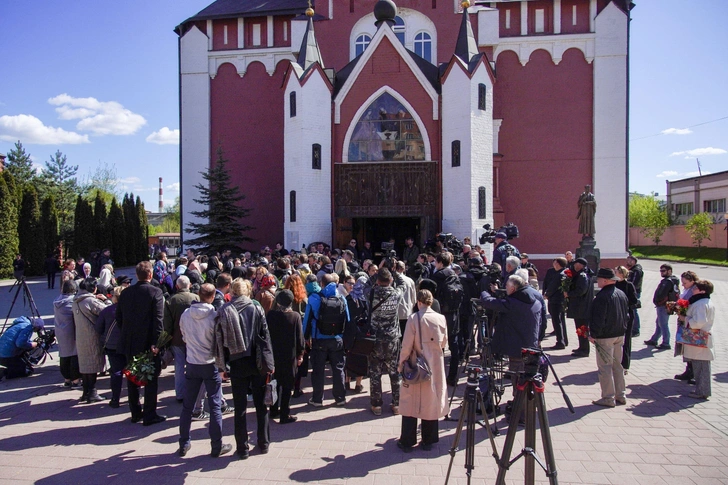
416, 369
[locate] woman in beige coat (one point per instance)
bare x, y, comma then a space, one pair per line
86, 308
426, 332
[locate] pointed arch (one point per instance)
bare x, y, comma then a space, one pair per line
366, 104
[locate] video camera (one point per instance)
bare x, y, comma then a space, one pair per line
453, 244
45, 341
510, 229
535, 362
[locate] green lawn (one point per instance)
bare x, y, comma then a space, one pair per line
680, 254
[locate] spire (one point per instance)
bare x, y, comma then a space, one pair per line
466, 46
309, 52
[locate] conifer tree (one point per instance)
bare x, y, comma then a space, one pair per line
13, 189
20, 165
130, 227
49, 222
101, 234
82, 228
221, 227
8, 229
117, 234
59, 179
143, 234
30, 233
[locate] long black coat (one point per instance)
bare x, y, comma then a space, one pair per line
140, 315
286, 335
581, 295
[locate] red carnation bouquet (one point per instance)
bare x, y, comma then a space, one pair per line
141, 368
567, 277
679, 307
583, 331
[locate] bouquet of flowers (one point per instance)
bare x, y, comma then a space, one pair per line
566, 279
141, 368
583, 331
679, 307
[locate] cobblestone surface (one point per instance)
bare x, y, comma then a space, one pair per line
661, 436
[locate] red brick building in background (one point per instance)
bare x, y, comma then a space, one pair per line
368, 120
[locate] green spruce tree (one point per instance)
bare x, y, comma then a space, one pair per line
221, 224
8, 229
130, 226
31, 233
59, 180
49, 222
116, 230
83, 233
101, 232
143, 234
20, 165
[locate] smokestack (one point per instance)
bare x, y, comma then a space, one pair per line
161, 200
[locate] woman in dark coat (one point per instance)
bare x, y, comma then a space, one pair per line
628, 288
356, 364
286, 335
294, 283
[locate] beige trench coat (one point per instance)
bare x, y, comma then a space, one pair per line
426, 400
86, 307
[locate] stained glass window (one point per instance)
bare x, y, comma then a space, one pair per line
386, 132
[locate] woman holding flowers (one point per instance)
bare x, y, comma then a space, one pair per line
699, 316
688, 280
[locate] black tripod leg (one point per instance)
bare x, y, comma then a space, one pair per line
491, 432
548, 451
463, 366
504, 463
17, 292
470, 435
529, 447
456, 440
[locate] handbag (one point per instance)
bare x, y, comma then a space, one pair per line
271, 391
416, 369
692, 336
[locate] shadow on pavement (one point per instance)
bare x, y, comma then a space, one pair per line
722, 377
587, 379
660, 398
120, 468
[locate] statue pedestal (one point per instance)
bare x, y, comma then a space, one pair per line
587, 249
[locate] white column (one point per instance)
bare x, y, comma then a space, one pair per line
592, 14
195, 119
557, 16
241, 33
610, 137
269, 31
524, 18
209, 35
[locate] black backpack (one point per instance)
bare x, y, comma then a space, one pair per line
332, 315
452, 294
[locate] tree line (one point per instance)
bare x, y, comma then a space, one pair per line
49, 212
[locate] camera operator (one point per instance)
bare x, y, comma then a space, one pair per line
503, 249
14, 342
448, 284
519, 321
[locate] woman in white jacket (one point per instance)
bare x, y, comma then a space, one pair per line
700, 316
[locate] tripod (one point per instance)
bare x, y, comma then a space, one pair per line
473, 397
530, 398
21, 285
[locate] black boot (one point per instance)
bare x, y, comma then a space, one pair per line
687, 375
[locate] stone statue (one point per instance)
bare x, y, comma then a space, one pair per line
587, 209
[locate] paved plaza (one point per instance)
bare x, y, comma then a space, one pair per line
661, 436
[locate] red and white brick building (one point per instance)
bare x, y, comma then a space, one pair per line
421, 119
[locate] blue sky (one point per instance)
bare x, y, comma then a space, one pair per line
98, 80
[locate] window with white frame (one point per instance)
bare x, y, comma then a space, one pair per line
716, 206
540, 21
685, 209
423, 46
399, 28
361, 43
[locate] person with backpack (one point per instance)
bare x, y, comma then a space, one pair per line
502, 250
450, 294
324, 322
667, 290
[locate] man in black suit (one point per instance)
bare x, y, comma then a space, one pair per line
140, 315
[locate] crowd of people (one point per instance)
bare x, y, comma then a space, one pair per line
264, 323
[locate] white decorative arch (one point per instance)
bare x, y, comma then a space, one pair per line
414, 21
270, 58
555, 45
365, 105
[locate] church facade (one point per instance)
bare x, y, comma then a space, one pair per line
370, 120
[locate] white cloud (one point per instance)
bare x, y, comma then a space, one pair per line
32, 131
677, 131
666, 173
174, 187
699, 152
98, 117
696, 173
130, 180
165, 136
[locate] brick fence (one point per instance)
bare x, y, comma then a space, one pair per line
677, 236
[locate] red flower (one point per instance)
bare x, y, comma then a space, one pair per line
683, 303
582, 331
569, 273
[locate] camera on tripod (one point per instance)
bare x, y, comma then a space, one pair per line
510, 230
45, 341
474, 373
535, 363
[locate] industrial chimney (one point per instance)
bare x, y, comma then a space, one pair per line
161, 199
